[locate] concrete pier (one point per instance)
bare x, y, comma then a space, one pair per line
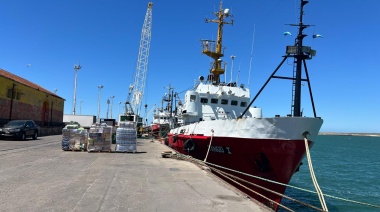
36, 175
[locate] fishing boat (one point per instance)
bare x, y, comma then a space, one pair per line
164, 117
221, 128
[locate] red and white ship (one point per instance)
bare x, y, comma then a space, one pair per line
220, 127
164, 117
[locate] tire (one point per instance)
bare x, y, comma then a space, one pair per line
35, 135
22, 137
189, 145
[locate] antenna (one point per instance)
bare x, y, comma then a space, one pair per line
237, 77
232, 65
250, 62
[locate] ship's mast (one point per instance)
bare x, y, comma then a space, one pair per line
300, 54
215, 51
299, 57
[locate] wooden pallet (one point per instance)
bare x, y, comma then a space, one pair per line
99, 151
78, 150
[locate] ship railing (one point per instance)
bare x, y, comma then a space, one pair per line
209, 47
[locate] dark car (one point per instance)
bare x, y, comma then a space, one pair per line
20, 129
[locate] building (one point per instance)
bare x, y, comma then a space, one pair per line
22, 99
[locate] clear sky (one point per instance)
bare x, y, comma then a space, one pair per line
104, 37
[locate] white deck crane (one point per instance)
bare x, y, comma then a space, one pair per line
136, 91
142, 62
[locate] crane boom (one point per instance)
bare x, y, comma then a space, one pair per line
142, 62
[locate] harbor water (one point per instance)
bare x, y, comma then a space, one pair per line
346, 167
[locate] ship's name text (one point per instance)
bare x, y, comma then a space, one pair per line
221, 149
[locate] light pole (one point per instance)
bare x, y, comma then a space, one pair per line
108, 107
119, 109
80, 107
111, 97
99, 91
76, 68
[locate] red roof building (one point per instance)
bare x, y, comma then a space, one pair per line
22, 99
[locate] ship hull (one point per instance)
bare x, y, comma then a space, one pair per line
159, 130
271, 149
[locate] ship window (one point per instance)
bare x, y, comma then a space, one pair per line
193, 98
243, 104
224, 101
234, 102
214, 101
204, 100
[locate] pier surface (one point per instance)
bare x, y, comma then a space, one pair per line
36, 175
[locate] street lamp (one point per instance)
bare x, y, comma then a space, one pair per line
80, 107
99, 91
111, 97
108, 107
119, 109
76, 68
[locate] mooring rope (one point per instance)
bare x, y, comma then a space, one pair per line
266, 189
209, 146
224, 174
314, 179
190, 158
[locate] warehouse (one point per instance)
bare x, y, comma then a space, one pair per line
22, 99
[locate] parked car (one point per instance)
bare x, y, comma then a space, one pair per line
20, 129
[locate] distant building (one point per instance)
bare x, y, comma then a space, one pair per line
22, 99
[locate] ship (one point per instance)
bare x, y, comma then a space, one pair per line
164, 117
256, 154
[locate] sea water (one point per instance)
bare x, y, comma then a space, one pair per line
346, 167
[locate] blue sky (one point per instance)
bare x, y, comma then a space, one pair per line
104, 36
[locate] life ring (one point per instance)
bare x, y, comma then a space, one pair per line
189, 145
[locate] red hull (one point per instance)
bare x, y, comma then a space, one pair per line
159, 130
272, 159
155, 127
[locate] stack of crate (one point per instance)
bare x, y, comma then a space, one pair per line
80, 140
99, 138
126, 137
67, 136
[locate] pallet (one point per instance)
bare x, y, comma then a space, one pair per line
99, 151
78, 150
